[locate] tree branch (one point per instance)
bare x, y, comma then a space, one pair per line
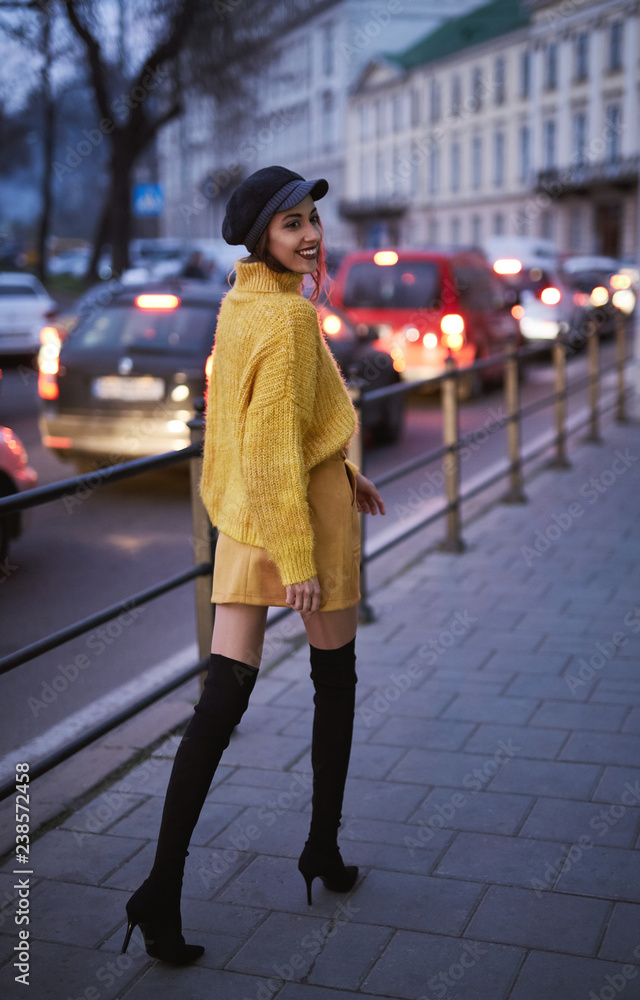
96, 64
172, 44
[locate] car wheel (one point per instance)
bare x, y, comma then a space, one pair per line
390, 427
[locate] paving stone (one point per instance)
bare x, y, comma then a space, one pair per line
270, 882
144, 822
72, 856
75, 914
567, 687
206, 871
546, 777
494, 639
479, 708
348, 954
254, 777
547, 975
196, 982
385, 700
438, 767
479, 812
503, 860
553, 819
562, 714
622, 939
414, 902
284, 947
619, 784
547, 921
415, 856
604, 748
249, 795
103, 812
632, 722
414, 963
372, 761
607, 872
380, 799
536, 743
79, 971
537, 663
380, 831
436, 734
269, 829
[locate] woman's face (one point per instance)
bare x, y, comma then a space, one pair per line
294, 237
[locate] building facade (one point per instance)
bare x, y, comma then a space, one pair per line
299, 118
509, 120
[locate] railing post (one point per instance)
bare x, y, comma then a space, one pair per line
593, 350
453, 542
559, 365
621, 357
515, 494
203, 540
355, 454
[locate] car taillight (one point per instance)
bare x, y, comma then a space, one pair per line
452, 323
399, 364
517, 311
430, 340
156, 301
550, 296
332, 324
620, 281
624, 300
49, 363
453, 341
508, 265
385, 258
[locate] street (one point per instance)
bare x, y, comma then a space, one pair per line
82, 553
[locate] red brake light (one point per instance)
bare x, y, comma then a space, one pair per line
163, 301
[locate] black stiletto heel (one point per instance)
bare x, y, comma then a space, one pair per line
125, 944
158, 918
336, 876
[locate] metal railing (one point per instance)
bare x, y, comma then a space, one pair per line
204, 536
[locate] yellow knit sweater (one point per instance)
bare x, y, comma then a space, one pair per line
277, 406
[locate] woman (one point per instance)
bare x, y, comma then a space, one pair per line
285, 500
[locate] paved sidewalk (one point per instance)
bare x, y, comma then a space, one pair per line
493, 800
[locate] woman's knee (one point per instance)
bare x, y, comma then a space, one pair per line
331, 629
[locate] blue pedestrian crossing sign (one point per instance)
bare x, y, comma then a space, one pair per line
148, 200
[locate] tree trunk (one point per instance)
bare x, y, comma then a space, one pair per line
48, 144
119, 204
101, 237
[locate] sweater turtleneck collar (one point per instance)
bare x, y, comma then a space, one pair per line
257, 277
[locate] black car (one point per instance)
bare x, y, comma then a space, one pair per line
122, 382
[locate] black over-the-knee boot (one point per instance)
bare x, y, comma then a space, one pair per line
333, 672
155, 906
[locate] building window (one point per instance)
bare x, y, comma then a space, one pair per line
434, 232
498, 224
575, 229
434, 101
546, 224
380, 117
499, 80
328, 120
612, 131
456, 95
415, 107
476, 163
328, 49
581, 57
549, 144
455, 231
498, 159
476, 230
525, 75
414, 176
455, 166
363, 122
476, 89
615, 46
525, 153
379, 175
522, 223
551, 66
434, 169
397, 107
579, 138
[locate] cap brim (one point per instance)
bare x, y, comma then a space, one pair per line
317, 189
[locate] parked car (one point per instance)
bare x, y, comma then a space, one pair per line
122, 383
24, 306
15, 475
542, 301
602, 288
74, 261
421, 306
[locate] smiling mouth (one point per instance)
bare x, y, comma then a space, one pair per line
308, 254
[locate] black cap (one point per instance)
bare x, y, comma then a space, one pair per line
262, 194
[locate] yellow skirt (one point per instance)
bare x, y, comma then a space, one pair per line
244, 574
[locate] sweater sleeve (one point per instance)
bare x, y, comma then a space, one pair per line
272, 445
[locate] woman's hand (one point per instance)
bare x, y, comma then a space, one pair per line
368, 500
304, 597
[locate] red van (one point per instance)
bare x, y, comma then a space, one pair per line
419, 305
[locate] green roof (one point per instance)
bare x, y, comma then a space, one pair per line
479, 25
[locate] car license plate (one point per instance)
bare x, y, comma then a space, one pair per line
143, 388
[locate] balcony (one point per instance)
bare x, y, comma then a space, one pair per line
621, 172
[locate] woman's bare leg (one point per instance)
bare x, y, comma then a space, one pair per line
331, 629
238, 632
